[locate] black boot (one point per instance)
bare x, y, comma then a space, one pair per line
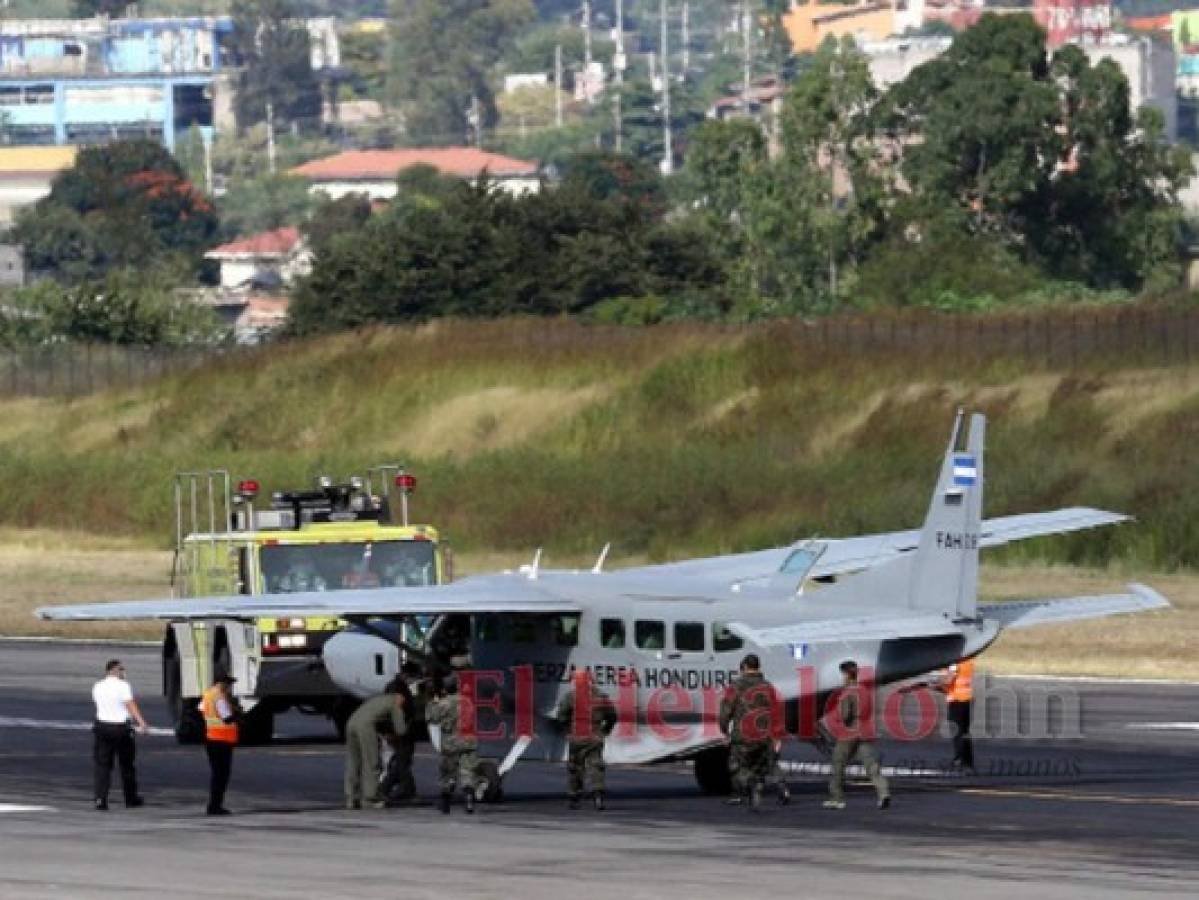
445, 802
598, 800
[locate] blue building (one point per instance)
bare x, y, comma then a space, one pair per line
87, 81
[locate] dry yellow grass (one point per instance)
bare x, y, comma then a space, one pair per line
49, 568
492, 418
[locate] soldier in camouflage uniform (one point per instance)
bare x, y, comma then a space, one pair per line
747, 720
585, 752
459, 745
851, 743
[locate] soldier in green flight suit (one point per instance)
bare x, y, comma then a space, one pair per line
459, 746
747, 720
589, 716
852, 741
383, 714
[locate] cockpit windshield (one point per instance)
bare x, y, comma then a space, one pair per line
289, 568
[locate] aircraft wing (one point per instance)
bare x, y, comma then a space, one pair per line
855, 628
1027, 613
484, 594
845, 555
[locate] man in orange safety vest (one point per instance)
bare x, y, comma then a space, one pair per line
221, 712
958, 684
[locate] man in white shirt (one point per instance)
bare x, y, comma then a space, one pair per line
115, 709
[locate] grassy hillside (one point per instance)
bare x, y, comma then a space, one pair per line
667, 441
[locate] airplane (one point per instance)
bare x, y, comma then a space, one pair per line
668, 638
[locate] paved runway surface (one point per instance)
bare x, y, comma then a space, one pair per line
1109, 814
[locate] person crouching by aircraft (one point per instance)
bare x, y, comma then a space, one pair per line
747, 721
458, 745
589, 716
851, 743
221, 713
383, 714
958, 684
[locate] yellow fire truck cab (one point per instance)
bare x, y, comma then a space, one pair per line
329, 538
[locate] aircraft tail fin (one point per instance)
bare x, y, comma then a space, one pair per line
944, 570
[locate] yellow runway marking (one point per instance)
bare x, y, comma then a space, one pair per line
1080, 798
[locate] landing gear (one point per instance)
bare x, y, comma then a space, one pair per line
712, 771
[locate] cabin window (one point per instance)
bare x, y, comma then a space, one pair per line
650, 635
723, 640
612, 634
487, 629
523, 630
566, 630
689, 637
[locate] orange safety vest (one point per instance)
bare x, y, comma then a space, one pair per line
961, 683
215, 728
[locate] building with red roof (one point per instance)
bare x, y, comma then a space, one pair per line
373, 172
270, 259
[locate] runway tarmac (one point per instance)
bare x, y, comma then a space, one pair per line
1108, 814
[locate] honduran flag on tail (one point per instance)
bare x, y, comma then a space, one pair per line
965, 470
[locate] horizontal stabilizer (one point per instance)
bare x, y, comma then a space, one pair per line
858, 628
1028, 613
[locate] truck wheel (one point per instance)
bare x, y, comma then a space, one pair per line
258, 726
489, 785
189, 725
712, 771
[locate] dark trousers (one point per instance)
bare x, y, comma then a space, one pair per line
963, 747
220, 764
113, 742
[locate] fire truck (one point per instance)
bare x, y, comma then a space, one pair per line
334, 536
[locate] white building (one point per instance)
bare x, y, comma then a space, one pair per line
272, 259
373, 172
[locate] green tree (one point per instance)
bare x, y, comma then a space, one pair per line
443, 54
126, 306
273, 49
123, 203
86, 9
1045, 156
251, 205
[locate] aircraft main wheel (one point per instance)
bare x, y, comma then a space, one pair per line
712, 771
490, 785
189, 724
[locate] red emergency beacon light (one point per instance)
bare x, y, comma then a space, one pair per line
406, 482
248, 488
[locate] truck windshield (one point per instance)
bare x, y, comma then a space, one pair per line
287, 568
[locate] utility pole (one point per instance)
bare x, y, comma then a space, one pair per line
667, 144
686, 38
618, 66
747, 55
270, 136
558, 86
587, 35
476, 120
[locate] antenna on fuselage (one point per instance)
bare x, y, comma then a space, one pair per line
599, 563
530, 572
